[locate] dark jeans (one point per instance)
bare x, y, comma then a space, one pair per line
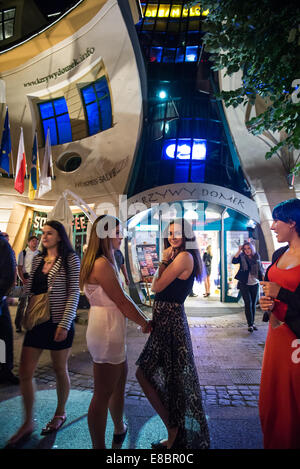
6, 334
250, 297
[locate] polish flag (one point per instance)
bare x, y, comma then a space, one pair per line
21, 165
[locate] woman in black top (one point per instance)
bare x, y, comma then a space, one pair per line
56, 267
166, 369
248, 276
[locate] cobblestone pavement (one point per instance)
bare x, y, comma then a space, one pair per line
228, 359
231, 395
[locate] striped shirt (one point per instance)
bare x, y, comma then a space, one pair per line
64, 294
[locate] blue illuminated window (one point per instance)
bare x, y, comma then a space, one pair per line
184, 149
169, 55
155, 54
97, 104
191, 54
54, 115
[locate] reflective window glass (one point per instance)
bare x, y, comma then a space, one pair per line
60, 106
89, 95
9, 14
169, 55
8, 29
180, 54
54, 114
96, 98
46, 110
93, 118
50, 123
64, 128
191, 54
155, 54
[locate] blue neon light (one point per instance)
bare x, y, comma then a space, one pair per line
185, 149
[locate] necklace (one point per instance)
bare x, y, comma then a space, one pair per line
49, 260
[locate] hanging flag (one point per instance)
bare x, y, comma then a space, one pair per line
21, 165
46, 168
34, 170
5, 145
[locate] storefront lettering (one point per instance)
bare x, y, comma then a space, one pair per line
39, 222
53, 76
107, 176
204, 192
79, 223
156, 196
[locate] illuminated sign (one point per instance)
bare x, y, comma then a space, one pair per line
79, 222
176, 11
185, 149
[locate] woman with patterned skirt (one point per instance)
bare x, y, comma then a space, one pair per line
166, 369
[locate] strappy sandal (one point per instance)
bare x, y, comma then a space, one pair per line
51, 427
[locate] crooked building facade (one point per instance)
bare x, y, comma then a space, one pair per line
128, 94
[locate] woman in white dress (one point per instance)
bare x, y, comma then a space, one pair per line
106, 332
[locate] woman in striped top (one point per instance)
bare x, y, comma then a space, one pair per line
57, 266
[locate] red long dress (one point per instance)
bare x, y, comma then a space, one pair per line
279, 399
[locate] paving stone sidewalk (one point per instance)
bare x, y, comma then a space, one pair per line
227, 356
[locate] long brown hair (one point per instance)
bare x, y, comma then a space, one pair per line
189, 244
99, 245
251, 246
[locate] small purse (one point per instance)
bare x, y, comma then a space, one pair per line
38, 309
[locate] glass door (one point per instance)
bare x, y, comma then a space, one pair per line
233, 239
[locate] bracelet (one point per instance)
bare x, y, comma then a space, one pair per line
163, 263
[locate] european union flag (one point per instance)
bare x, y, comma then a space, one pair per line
5, 145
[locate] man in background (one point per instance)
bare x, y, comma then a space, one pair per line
24, 267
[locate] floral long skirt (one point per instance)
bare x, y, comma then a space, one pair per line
167, 361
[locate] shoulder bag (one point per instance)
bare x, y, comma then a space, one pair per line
38, 308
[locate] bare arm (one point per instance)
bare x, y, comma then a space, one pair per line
20, 274
104, 274
124, 271
183, 263
236, 259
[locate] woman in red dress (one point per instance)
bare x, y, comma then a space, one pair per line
279, 400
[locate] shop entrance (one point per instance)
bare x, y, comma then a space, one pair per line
209, 243
215, 226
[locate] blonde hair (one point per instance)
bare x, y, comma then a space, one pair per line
208, 249
97, 246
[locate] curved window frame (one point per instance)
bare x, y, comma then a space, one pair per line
104, 121
57, 136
